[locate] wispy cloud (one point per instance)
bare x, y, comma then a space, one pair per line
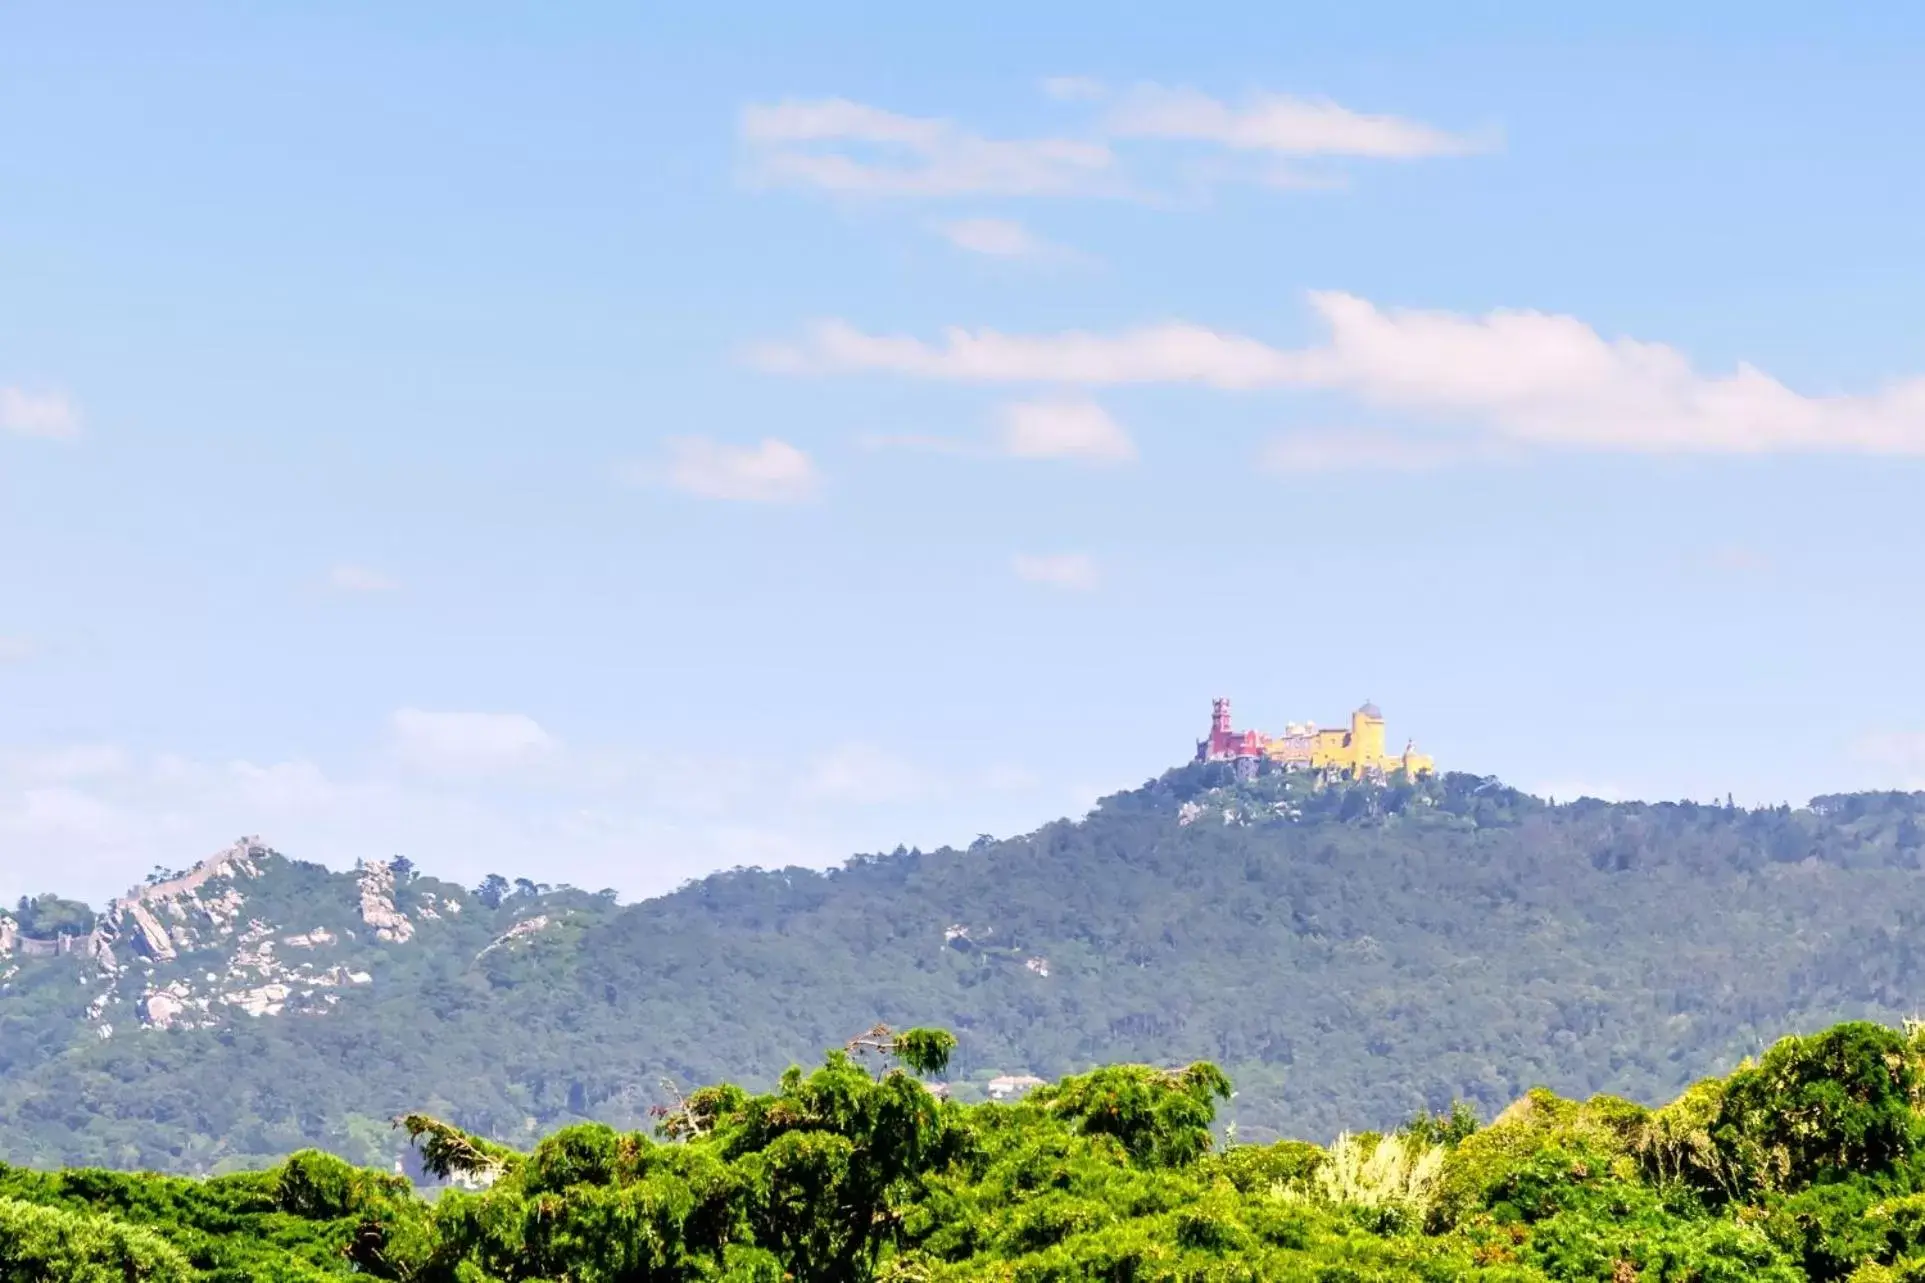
1281, 125
17, 650
350, 578
1898, 755
1064, 429
1070, 571
1073, 88
863, 774
64, 763
996, 238
921, 443
1503, 379
1329, 451
770, 471
467, 744
468, 793
855, 149
50, 416
1736, 560
1170, 353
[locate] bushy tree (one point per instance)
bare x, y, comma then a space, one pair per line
1833, 1106
48, 916
1798, 1168
1161, 1117
493, 890
55, 1245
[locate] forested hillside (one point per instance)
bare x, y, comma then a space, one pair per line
1350, 955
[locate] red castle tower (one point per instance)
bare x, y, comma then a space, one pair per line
1225, 743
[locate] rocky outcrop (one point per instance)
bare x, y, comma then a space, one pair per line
262, 1000
377, 904
205, 949
163, 1008
526, 927
180, 899
432, 906
151, 937
239, 860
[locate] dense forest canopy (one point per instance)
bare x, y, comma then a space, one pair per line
1806, 1165
1351, 955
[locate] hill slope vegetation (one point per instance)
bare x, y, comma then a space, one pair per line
1350, 955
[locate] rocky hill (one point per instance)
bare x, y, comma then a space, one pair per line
243, 933
1352, 954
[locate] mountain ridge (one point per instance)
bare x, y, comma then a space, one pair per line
1356, 952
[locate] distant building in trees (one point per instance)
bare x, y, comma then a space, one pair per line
1356, 751
1004, 1086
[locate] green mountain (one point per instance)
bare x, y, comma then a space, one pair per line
1350, 954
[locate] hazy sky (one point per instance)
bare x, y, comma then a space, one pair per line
612, 442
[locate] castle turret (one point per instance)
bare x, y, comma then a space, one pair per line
1367, 739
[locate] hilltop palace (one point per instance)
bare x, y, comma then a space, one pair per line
1356, 752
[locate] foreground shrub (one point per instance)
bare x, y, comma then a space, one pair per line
54, 1245
1802, 1167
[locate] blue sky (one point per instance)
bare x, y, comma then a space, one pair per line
610, 443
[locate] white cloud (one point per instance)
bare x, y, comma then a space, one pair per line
91, 837
359, 579
49, 415
1317, 452
282, 786
16, 650
466, 744
1070, 571
1171, 353
1540, 379
1504, 379
1060, 429
1289, 178
65, 764
1005, 777
993, 237
836, 119
89, 820
1056, 428
1898, 755
1073, 88
770, 471
1282, 125
1008, 240
64, 814
864, 774
855, 149
920, 442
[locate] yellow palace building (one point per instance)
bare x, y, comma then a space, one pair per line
1356, 751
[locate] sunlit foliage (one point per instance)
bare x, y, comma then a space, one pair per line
1803, 1166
